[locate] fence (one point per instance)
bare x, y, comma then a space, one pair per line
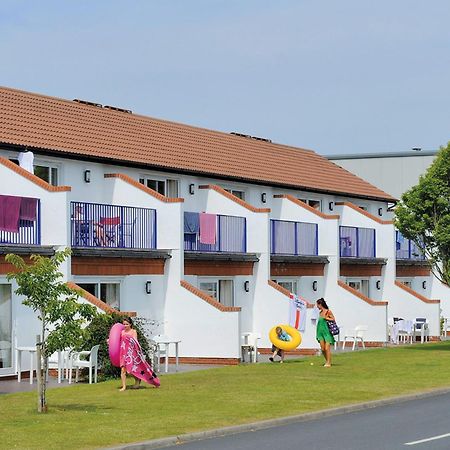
357, 242
230, 234
293, 238
20, 220
100, 225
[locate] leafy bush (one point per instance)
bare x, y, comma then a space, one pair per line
98, 333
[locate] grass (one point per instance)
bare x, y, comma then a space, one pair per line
86, 417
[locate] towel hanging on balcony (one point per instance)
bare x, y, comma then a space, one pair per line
191, 222
28, 208
9, 213
208, 228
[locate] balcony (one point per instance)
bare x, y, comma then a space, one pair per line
293, 238
112, 226
227, 234
407, 249
356, 242
20, 220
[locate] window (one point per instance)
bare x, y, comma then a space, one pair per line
236, 193
407, 283
164, 187
316, 204
108, 293
221, 290
47, 173
290, 285
6, 344
359, 285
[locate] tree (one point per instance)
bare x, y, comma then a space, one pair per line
62, 317
423, 215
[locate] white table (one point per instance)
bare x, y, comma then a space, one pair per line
166, 342
32, 352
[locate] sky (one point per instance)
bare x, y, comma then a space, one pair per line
338, 77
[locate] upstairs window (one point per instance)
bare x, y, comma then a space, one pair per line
236, 193
220, 290
316, 204
47, 173
167, 187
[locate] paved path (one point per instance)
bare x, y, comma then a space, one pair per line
401, 426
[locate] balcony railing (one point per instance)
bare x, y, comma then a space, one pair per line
293, 238
229, 234
357, 242
407, 249
20, 220
100, 225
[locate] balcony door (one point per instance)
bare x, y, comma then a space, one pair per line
6, 341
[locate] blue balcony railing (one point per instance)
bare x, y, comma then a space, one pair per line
100, 225
357, 242
229, 234
293, 238
20, 220
407, 249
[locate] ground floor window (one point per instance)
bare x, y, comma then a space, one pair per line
221, 290
359, 285
106, 292
6, 346
290, 285
406, 281
166, 187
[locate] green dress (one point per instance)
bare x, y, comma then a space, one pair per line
323, 332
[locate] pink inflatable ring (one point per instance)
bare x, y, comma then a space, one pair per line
114, 343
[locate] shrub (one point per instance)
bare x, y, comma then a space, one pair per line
98, 333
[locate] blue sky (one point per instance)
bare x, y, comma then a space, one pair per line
348, 76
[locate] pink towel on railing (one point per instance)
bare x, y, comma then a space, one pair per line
207, 228
9, 213
132, 358
28, 208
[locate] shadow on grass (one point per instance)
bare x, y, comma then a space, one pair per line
80, 407
429, 347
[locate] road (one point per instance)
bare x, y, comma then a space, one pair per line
413, 425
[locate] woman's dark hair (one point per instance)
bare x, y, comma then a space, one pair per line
322, 303
128, 319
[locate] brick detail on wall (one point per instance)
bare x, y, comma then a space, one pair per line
280, 269
234, 198
83, 265
33, 178
97, 302
6, 267
362, 270
365, 213
415, 294
361, 296
140, 186
307, 207
285, 292
412, 271
208, 299
224, 268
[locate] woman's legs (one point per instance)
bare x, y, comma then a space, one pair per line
137, 382
323, 348
123, 377
327, 354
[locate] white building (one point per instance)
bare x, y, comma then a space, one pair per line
129, 195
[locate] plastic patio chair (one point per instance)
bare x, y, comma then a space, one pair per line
421, 329
250, 346
357, 335
91, 363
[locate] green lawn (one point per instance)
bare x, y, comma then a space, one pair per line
86, 417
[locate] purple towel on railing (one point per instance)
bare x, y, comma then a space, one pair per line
28, 208
207, 228
191, 222
9, 213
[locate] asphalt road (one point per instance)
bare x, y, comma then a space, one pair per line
413, 425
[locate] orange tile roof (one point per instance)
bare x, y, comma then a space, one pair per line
74, 129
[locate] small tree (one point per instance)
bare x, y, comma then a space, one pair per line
62, 317
423, 215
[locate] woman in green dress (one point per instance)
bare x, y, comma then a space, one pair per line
323, 335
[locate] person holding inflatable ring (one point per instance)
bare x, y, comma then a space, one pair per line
282, 336
130, 331
323, 335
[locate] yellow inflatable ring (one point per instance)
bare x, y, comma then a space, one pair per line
296, 337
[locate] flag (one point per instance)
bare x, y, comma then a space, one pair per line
297, 312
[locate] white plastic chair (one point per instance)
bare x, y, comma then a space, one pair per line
91, 363
61, 362
357, 335
421, 329
250, 346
